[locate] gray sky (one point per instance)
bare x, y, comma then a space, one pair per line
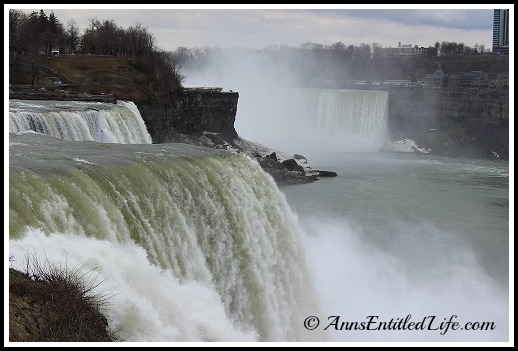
257, 26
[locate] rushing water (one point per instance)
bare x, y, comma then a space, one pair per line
195, 244
80, 120
210, 224
337, 115
303, 120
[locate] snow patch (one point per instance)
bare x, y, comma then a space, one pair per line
253, 149
405, 145
82, 161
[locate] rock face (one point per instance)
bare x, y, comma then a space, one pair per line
191, 111
327, 174
461, 122
287, 172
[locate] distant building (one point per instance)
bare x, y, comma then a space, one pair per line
398, 82
479, 79
437, 79
501, 31
499, 81
474, 79
404, 50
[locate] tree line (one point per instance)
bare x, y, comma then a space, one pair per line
312, 62
192, 57
35, 34
366, 51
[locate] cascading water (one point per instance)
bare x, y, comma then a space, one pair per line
80, 120
223, 251
359, 112
340, 120
313, 121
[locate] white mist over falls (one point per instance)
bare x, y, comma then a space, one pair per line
195, 244
276, 109
330, 120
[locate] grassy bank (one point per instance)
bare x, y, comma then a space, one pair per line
55, 305
125, 77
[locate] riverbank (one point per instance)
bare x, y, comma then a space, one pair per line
50, 305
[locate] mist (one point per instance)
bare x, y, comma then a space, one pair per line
284, 104
419, 271
145, 303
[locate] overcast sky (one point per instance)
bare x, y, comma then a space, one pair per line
257, 26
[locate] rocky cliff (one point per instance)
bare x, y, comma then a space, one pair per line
191, 111
452, 122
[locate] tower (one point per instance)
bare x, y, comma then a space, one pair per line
501, 31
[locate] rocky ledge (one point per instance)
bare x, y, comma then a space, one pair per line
53, 93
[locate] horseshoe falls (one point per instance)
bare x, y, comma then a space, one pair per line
313, 121
189, 243
358, 112
80, 120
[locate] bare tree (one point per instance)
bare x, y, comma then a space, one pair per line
72, 36
107, 34
364, 52
54, 34
17, 22
338, 47
376, 50
142, 42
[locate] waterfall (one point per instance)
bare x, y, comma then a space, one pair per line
80, 121
314, 121
200, 244
339, 119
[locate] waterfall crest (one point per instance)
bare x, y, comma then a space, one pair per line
80, 120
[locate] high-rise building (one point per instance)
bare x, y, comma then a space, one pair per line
501, 31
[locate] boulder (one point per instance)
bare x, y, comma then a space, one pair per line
327, 174
292, 165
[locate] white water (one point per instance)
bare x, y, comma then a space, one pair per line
80, 121
363, 263
204, 220
145, 302
333, 119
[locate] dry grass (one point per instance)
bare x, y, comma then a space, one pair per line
103, 74
121, 76
51, 304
